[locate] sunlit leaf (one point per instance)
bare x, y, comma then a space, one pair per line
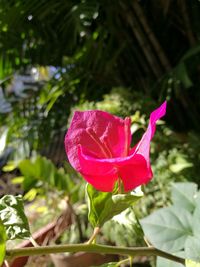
168, 228
42, 169
103, 206
13, 217
17, 180
192, 248
190, 263
9, 167
2, 242
184, 194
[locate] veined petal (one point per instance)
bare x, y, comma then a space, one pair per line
90, 129
92, 166
101, 174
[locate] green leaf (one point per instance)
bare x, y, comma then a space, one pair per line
2, 242
190, 263
103, 206
163, 262
42, 169
192, 248
184, 194
13, 217
196, 219
11, 165
194, 51
180, 165
182, 74
123, 229
3, 139
168, 228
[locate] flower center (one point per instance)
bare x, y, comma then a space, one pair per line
103, 145
127, 125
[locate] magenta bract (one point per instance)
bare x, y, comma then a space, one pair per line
98, 146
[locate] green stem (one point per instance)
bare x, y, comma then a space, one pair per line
131, 261
122, 262
130, 251
93, 237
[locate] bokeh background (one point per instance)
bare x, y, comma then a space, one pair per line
124, 57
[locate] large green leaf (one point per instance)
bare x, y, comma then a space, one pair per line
168, 228
13, 217
196, 219
190, 263
2, 242
103, 206
184, 195
192, 248
162, 262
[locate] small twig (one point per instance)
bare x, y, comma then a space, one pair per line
34, 243
6, 264
93, 237
122, 262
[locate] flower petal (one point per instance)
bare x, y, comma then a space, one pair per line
104, 183
92, 166
135, 172
143, 147
101, 174
108, 129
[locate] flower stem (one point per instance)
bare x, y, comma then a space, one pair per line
130, 251
93, 237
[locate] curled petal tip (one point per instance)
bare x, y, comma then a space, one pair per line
164, 107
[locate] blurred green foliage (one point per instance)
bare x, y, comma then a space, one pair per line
123, 58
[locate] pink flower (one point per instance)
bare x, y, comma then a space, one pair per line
98, 147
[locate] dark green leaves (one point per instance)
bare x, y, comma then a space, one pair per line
2, 242
13, 217
103, 206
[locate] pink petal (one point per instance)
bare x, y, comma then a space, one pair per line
93, 166
99, 173
103, 173
108, 128
143, 147
135, 173
104, 183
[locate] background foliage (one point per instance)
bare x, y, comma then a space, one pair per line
125, 58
